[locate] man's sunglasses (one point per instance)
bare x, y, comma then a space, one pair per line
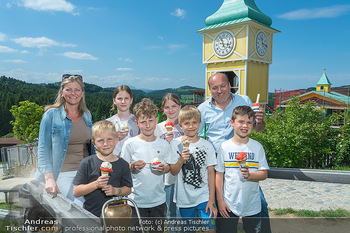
71, 75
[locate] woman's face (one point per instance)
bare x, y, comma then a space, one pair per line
72, 93
171, 110
123, 101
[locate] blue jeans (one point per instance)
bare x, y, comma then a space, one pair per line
172, 210
65, 184
265, 219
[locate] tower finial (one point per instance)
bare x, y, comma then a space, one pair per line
324, 70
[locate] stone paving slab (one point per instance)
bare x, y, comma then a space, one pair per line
308, 195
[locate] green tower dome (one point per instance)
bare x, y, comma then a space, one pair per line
233, 10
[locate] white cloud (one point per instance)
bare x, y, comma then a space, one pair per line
79, 56
124, 69
73, 71
8, 5
5, 49
24, 51
316, 13
15, 61
125, 59
115, 80
176, 46
2, 36
39, 42
49, 5
154, 47
179, 13
33, 77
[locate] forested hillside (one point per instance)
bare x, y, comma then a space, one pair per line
98, 99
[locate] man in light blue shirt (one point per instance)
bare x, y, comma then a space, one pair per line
216, 113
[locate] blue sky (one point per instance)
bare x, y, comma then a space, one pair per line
153, 44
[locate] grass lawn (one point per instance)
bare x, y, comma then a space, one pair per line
337, 213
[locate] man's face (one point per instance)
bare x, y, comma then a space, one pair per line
220, 89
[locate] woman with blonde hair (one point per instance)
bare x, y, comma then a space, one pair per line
64, 138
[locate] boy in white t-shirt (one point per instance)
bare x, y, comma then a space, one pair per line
195, 184
237, 186
148, 181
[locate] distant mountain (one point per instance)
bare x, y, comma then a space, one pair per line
98, 99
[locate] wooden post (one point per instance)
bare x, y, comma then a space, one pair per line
16, 168
35, 162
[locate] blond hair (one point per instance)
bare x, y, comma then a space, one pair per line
61, 101
103, 126
188, 112
145, 108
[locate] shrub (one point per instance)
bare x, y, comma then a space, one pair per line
298, 136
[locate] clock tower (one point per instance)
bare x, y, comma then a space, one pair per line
237, 41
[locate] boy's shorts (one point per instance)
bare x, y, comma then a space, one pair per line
193, 224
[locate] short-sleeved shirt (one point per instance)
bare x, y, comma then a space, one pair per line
89, 171
133, 130
148, 190
161, 131
192, 188
242, 196
217, 121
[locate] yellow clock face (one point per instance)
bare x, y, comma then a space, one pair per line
261, 44
224, 44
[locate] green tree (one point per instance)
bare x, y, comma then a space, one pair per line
27, 120
342, 156
298, 137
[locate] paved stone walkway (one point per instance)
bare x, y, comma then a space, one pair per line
306, 195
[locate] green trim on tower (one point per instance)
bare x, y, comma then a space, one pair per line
324, 79
231, 10
236, 12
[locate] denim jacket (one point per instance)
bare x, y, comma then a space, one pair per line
54, 136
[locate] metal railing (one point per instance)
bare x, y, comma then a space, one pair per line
16, 158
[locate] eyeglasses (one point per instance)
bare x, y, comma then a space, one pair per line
72, 75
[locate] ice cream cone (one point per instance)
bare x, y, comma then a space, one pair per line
104, 173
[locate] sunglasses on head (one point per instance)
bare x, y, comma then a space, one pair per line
71, 75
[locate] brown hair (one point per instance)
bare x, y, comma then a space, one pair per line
243, 111
103, 126
119, 89
145, 108
170, 96
61, 101
188, 112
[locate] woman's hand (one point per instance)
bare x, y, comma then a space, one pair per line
51, 185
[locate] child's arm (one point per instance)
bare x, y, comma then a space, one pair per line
138, 165
84, 189
113, 191
219, 183
163, 169
175, 168
211, 203
256, 176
